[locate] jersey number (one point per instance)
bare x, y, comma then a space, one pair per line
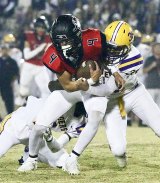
2, 124
91, 41
53, 57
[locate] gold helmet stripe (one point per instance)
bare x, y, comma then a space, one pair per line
116, 31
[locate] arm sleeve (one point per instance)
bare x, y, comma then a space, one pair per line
104, 89
28, 54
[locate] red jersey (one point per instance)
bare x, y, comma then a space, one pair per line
31, 38
92, 50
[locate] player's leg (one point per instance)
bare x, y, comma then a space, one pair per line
55, 106
95, 116
42, 80
26, 81
8, 98
7, 137
145, 108
72, 123
56, 159
116, 132
75, 127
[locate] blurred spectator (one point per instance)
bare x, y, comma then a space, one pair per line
7, 7
33, 73
16, 16
144, 49
9, 72
14, 52
38, 5
152, 69
148, 39
132, 20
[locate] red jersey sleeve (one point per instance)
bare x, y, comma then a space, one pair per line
92, 50
53, 61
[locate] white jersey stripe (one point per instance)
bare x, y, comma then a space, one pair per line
116, 31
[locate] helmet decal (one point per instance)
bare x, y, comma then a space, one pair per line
119, 38
116, 31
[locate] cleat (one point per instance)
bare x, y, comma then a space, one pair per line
71, 166
61, 161
29, 165
122, 161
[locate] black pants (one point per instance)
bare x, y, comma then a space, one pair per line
8, 97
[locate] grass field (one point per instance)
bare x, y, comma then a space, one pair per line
97, 163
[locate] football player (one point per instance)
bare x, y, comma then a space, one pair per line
134, 98
70, 47
33, 74
115, 54
16, 127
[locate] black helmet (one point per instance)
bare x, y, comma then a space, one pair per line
67, 38
41, 22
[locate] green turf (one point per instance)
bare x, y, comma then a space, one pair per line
97, 163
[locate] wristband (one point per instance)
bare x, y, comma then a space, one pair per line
91, 82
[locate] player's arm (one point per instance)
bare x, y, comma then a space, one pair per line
65, 80
28, 53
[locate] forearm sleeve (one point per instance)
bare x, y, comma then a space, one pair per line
28, 53
104, 89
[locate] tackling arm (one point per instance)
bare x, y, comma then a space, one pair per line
104, 89
65, 80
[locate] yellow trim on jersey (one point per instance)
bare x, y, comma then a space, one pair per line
2, 124
130, 62
80, 129
122, 107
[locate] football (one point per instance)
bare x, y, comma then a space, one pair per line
84, 70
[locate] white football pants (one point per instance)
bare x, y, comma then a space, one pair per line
34, 74
140, 102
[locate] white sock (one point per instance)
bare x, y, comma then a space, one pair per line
63, 140
35, 140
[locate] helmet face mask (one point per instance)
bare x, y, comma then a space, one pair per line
66, 37
119, 38
114, 54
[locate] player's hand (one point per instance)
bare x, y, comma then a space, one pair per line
95, 74
120, 82
82, 84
